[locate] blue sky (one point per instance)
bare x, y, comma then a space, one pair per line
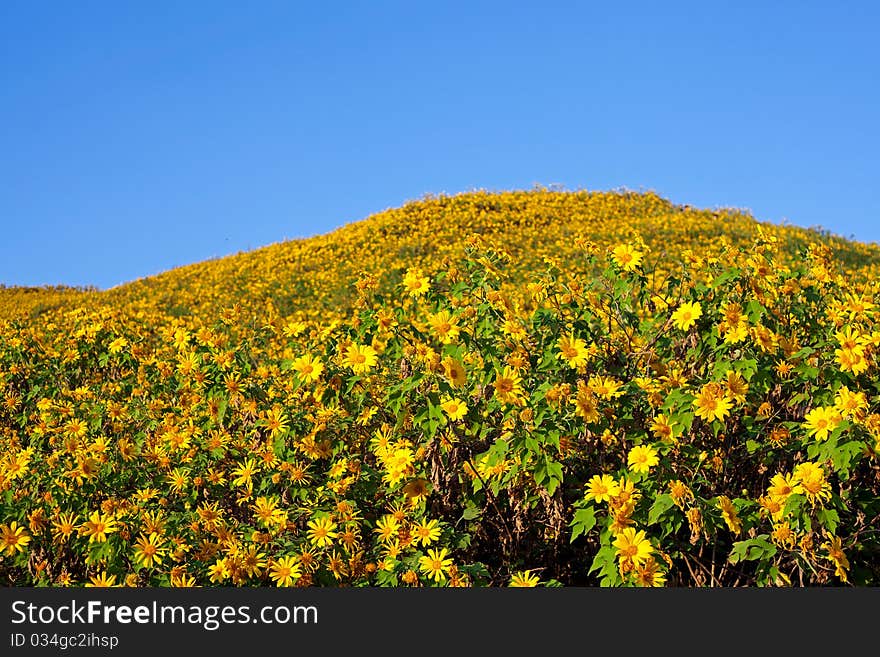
137, 137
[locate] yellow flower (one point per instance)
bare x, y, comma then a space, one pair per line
523, 579
686, 315
276, 421
663, 428
783, 535
573, 351
736, 386
851, 404
13, 538
426, 532
253, 561
148, 550
435, 564
627, 257
321, 531
649, 574
585, 403
285, 571
387, 527
63, 526
398, 463
455, 409
736, 332
812, 481
728, 512
308, 368
102, 580
415, 283
219, 571
267, 512
182, 580
711, 404
359, 358
416, 489
454, 372
293, 328
444, 326
782, 486
97, 527
852, 359
821, 421
642, 458
680, 493
834, 547
508, 387
602, 488
633, 546
243, 474
117, 345
177, 479
606, 387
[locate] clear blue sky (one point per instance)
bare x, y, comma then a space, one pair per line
140, 136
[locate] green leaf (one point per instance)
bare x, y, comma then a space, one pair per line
549, 471
554, 469
845, 455
221, 409
720, 369
807, 371
539, 417
386, 578
829, 518
412, 382
435, 412
747, 367
794, 503
725, 276
470, 513
604, 564
661, 505
803, 353
584, 520
752, 549
552, 438
755, 311
497, 451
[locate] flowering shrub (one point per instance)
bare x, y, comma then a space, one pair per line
561, 407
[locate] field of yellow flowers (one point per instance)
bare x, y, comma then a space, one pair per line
490, 389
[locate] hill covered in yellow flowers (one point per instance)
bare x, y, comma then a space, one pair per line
526, 388
315, 275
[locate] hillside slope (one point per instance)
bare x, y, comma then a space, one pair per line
316, 274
